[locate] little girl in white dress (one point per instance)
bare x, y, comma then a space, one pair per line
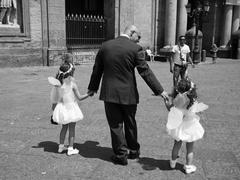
183, 123
66, 111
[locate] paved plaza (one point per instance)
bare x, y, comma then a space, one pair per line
28, 142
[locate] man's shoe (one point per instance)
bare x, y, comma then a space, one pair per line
133, 154
119, 160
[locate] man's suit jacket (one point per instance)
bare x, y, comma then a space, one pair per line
115, 63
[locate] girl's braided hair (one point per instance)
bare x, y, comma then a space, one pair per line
188, 87
65, 70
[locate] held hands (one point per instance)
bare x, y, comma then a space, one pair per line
167, 104
166, 100
90, 92
164, 95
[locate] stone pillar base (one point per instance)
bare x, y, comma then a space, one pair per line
55, 56
80, 56
84, 56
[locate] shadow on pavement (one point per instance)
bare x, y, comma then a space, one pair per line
48, 146
90, 149
151, 164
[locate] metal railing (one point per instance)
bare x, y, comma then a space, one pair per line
84, 30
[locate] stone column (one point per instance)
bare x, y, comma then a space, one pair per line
45, 32
170, 23
236, 16
181, 18
227, 25
57, 31
117, 18
153, 24
126, 13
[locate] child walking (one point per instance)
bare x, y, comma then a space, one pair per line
67, 59
183, 122
67, 111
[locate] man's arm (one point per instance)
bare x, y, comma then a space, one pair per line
96, 74
148, 76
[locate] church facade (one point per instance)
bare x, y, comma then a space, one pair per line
39, 32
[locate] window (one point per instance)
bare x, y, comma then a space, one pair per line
14, 18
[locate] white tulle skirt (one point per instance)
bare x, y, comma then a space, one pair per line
187, 131
184, 125
67, 113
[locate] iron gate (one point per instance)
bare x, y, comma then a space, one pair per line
84, 30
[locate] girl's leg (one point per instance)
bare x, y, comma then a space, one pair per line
176, 147
71, 139
189, 156
63, 133
189, 167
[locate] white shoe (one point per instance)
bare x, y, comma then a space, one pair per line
190, 168
173, 163
72, 151
61, 148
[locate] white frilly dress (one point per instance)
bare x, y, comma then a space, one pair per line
183, 124
67, 109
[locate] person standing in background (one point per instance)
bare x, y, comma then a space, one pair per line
179, 60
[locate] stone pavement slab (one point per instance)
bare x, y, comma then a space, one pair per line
28, 142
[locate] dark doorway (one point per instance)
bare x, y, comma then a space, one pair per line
85, 23
191, 19
87, 7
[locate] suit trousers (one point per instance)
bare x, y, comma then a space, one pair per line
178, 70
123, 127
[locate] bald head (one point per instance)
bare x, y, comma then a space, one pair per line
133, 33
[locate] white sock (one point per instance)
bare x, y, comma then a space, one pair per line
61, 145
70, 148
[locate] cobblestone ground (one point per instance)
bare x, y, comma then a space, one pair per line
28, 142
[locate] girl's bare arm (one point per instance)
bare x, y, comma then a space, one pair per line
77, 94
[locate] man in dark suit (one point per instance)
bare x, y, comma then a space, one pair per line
115, 63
